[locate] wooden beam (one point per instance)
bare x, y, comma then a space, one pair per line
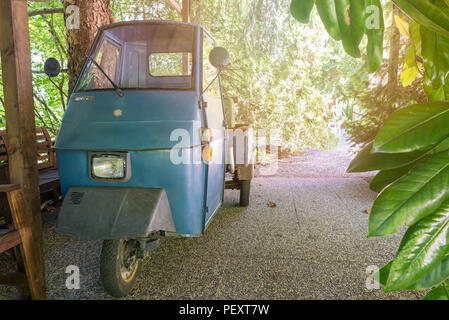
9, 239
9, 187
21, 132
13, 279
45, 11
175, 5
31, 256
185, 10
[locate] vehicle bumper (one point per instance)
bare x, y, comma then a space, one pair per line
109, 213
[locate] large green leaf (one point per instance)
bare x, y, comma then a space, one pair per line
443, 146
387, 177
412, 197
427, 14
367, 161
417, 127
439, 293
423, 247
433, 278
435, 53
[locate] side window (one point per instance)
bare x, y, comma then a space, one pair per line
209, 72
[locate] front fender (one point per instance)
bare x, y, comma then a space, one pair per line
109, 213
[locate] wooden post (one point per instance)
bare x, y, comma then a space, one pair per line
175, 5
21, 132
185, 13
185, 10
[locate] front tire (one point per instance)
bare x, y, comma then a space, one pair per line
245, 187
119, 266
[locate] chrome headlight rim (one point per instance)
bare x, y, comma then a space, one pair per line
125, 156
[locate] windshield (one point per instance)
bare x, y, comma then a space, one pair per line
142, 56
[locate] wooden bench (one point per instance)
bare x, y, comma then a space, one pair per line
49, 182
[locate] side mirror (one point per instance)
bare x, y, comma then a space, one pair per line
219, 57
52, 67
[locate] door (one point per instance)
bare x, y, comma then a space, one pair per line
216, 122
216, 167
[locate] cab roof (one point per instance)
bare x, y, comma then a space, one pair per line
137, 22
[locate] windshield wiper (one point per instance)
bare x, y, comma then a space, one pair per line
116, 87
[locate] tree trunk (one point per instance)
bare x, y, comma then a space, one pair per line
393, 63
395, 46
92, 15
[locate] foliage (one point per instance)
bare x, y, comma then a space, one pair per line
264, 42
374, 100
416, 193
47, 40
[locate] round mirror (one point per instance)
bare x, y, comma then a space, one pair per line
219, 57
52, 67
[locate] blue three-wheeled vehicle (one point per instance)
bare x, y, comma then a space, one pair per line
146, 143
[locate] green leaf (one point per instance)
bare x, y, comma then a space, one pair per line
387, 177
383, 273
435, 53
423, 247
367, 161
411, 68
350, 43
433, 278
375, 29
301, 9
439, 293
432, 93
328, 15
416, 127
415, 37
427, 14
409, 74
402, 25
412, 197
443, 146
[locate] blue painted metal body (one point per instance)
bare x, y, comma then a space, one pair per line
143, 127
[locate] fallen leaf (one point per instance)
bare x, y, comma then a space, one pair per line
272, 204
367, 211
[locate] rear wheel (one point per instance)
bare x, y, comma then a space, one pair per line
245, 187
119, 266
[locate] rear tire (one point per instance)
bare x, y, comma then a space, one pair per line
245, 187
119, 266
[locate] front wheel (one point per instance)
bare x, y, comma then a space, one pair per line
119, 266
245, 186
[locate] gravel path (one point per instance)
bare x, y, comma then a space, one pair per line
311, 245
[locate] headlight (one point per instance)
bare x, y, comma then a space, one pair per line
108, 166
